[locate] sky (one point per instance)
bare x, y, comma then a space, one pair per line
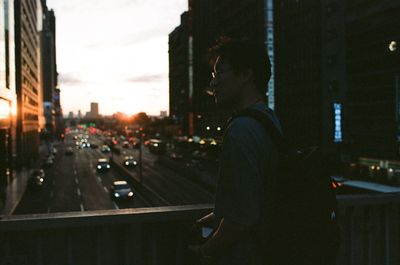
114, 52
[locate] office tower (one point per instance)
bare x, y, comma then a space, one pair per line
27, 85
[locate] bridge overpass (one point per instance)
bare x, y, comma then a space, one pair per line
370, 231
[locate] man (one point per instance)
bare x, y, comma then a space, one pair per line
248, 162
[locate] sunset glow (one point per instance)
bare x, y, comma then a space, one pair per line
114, 53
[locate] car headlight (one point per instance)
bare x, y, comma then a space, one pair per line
99, 167
126, 163
116, 194
135, 163
41, 179
130, 194
108, 166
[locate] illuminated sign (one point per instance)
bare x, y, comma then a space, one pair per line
337, 107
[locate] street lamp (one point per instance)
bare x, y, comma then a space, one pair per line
393, 50
393, 46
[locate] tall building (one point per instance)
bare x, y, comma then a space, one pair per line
298, 71
94, 110
372, 75
27, 85
48, 67
179, 97
8, 98
337, 86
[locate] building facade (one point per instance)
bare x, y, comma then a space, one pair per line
94, 110
48, 68
8, 99
337, 86
298, 73
27, 79
372, 70
179, 98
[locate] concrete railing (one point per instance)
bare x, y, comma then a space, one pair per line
370, 226
370, 232
132, 236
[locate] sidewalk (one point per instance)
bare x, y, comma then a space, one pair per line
15, 190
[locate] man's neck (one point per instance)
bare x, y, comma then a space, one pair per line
250, 101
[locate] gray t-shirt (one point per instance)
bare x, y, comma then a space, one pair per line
245, 185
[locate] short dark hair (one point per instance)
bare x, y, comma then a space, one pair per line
244, 54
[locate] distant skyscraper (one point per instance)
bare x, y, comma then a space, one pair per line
163, 114
94, 110
70, 115
79, 114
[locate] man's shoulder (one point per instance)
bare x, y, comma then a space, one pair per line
243, 125
246, 123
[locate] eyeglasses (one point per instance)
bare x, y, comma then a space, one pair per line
216, 74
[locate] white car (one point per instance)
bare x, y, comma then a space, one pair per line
103, 164
121, 190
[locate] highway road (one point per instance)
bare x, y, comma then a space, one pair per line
72, 183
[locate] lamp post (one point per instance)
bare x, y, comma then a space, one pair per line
393, 49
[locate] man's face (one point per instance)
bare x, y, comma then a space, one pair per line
226, 84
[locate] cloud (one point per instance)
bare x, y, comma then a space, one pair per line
69, 79
131, 39
146, 78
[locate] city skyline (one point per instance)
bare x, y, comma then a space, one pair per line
120, 62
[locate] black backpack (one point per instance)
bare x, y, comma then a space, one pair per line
304, 227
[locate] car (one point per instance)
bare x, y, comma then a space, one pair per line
157, 146
69, 150
105, 149
36, 179
54, 150
129, 161
135, 143
48, 162
103, 164
85, 144
125, 144
121, 190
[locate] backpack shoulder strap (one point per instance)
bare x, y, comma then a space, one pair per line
265, 121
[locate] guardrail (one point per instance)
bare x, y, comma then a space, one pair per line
370, 232
130, 236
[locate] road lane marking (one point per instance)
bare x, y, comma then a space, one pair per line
105, 189
51, 194
115, 205
99, 179
82, 208
75, 172
78, 191
76, 181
